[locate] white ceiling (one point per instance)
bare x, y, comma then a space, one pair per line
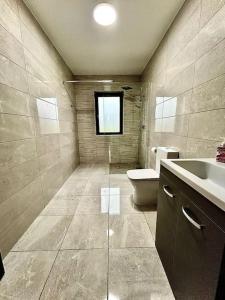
120, 49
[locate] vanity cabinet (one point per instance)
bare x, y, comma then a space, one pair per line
166, 222
190, 240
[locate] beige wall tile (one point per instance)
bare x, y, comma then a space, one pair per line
211, 65
184, 27
16, 152
13, 101
212, 33
200, 125
18, 224
12, 75
38, 134
17, 177
201, 148
190, 85
9, 18
11, 48
209, 9
15, 127
181, 82
208, 96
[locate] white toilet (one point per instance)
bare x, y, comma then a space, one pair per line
146, 181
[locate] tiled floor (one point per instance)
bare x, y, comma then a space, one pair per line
90, 242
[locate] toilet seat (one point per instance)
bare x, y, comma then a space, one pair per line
143, 174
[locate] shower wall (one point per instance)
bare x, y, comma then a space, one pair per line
38, 138
113, 149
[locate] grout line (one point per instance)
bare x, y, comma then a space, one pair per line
69, 224
48, 275
81, 249
150, 231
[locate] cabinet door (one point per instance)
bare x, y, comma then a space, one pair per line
198, 254
166, 223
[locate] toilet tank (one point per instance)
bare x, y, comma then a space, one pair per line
163, 153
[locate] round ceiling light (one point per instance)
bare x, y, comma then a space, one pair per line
104, 14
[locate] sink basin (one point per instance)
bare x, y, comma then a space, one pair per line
204, 170
205, 175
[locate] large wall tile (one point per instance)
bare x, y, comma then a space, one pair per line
200, 125
201, 148
13, 101
212, 33
16, 178
210, 65
181, 82
10, 47
209, 9
15, 127
38, 133
17, 152
9, 18
15, 211
191, 86
12, 75
208, 96
184, 28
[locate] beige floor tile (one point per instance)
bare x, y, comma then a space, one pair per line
135, 265
93, 205
121, 189
79, 173
129, 231
60, 208
78, 275
95, 187
45, 233
122, 204
80, 269
71, 190
26, 273
119, 184
87, 232
121, 168
151, 220
119, 179
99, 169
158, 289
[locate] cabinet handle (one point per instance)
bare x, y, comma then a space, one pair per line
165, 188
193, 222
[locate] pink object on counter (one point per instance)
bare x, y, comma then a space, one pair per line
220, 157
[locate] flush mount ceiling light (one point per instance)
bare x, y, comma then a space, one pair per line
104, 14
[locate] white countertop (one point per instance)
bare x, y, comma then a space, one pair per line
206, 187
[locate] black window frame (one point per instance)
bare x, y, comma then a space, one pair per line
108, 94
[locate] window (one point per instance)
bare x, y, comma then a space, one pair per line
109, 112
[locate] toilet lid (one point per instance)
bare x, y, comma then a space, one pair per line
144, 174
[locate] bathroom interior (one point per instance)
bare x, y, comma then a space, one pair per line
112, 149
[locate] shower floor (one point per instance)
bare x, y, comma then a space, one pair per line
89, 242
122, 168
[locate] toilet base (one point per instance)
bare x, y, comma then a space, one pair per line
145, 193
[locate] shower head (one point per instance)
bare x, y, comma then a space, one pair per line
126, 88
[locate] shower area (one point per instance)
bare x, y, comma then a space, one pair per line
120, 151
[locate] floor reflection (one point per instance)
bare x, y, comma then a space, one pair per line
110, 201
113, 297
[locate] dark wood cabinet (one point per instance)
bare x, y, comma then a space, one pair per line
190, 242
166, 223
